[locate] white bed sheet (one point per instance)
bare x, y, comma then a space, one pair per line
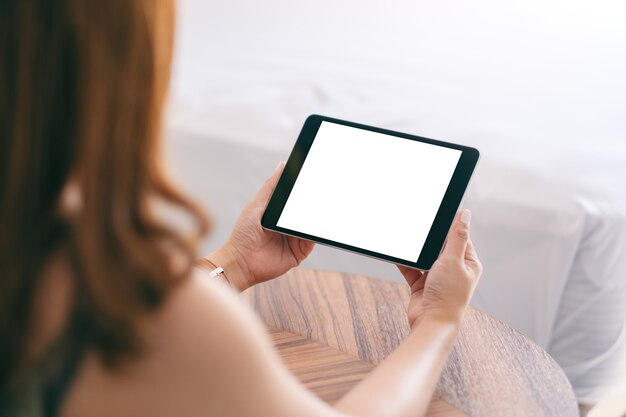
537, 86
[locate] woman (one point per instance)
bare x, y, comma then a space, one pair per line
102, 311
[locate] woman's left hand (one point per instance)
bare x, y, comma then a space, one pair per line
252, 254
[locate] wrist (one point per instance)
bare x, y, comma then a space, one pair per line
445, 331
448, 320
235, 269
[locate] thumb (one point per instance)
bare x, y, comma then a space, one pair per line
458, 236
264, 194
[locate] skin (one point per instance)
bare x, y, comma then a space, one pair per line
208, 355
245, 255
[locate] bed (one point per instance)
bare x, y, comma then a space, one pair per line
537, 86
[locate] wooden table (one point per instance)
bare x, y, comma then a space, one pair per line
331, 329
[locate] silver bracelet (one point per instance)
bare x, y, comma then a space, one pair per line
216, 272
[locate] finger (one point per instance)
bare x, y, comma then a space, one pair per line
471, 257
420, 282
470, 251
458, 236
300, 247
264, 194
410, 275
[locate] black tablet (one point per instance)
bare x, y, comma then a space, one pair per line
384, 194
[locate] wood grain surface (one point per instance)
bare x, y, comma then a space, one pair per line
331, 329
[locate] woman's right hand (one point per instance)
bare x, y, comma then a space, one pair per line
444, 292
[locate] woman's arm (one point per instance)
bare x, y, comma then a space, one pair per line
401, 386
251, 377
237, 372
404, 383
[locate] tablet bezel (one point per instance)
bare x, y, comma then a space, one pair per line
443, 219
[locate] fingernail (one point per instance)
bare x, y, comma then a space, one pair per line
466, 216
281, 163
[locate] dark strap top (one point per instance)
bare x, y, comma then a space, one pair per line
43, 391
54, 391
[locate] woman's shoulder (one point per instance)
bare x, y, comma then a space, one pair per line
197, 347
203, 318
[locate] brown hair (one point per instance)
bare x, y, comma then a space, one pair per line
82, 84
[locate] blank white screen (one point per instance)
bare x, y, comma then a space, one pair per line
370, 190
